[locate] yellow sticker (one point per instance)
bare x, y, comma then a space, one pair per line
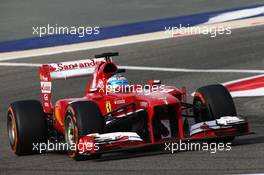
108, 106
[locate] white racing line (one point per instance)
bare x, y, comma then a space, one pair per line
162, 69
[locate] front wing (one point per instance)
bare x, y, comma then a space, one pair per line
120, 141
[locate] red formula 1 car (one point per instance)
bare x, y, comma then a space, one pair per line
114, 115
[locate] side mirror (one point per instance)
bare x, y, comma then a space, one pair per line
94, 90
154, 82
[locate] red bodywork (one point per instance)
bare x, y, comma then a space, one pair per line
96, 91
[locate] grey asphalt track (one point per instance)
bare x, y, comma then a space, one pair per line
243, 49
17, 17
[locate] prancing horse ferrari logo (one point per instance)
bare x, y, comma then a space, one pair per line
108, 106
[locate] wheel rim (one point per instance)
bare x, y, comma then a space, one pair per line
11, 129
197, 104
70, 133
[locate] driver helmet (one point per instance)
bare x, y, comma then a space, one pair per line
117, 81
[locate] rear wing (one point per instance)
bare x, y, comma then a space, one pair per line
65, 70
70, 69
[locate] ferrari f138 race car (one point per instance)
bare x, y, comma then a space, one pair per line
114, 115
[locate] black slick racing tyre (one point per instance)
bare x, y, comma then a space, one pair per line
212, 102
82, 118
26, 126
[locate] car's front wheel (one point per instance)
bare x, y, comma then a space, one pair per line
212, 102
81, 118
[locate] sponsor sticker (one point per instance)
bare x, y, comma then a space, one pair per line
43, 78
46, 97
45, 87
122, 101
108, 106
76, 65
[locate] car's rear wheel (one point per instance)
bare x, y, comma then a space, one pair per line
82, 118
26, 126
212, 102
